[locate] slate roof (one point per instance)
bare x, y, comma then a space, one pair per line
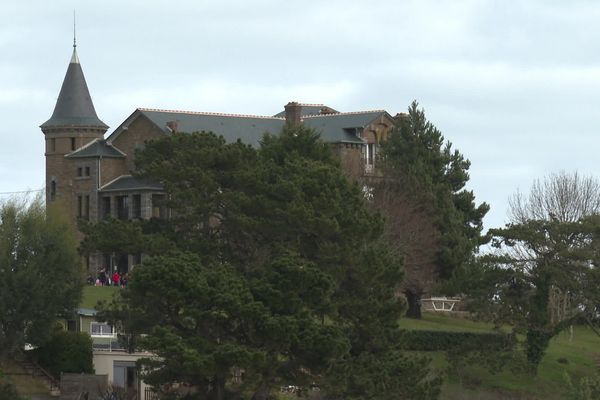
74, 106
308, 109
95, 149
335, 127
128, 182
248, 128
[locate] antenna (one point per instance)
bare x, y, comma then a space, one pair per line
74, 31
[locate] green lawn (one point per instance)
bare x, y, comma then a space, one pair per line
93, 294
574, 357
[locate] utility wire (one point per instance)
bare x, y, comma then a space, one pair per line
22, 191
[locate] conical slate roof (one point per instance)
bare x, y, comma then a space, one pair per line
74, 107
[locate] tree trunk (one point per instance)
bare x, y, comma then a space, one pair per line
536, 345
217, 390
414, 304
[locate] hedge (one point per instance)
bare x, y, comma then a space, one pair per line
448, 340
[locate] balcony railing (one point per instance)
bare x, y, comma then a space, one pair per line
107, 343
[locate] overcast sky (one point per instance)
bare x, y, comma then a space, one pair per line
515, 86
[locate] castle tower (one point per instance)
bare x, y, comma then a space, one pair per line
73, 124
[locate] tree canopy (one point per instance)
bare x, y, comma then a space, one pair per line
40, 272
277, 267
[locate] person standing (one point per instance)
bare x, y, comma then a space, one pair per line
116, 278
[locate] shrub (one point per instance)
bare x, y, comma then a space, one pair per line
66, 352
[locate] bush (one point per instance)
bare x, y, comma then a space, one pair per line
447, 340
587, 388
66, 352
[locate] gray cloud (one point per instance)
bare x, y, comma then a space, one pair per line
513, 85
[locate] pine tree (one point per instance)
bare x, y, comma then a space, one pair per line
424, 178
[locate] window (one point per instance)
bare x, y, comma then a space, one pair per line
83, 172
158, 206
72, 143
105, 207
101, 329
52, 190
136, 206
80, 206
122, 207
52, 145
370, 153
83, 206
72, 325
86, 207
369, 157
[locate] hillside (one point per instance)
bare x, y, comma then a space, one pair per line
577, 357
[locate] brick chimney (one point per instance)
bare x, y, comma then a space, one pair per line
293, 113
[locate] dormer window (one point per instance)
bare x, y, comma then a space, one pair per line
355, 131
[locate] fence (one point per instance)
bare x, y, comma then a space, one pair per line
150, 394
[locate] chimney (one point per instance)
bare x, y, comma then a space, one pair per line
326, 111
172, 125
293, 112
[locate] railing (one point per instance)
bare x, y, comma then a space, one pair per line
150, 394
107, 343
37, 370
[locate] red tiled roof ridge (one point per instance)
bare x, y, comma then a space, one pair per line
210, 113
342, 113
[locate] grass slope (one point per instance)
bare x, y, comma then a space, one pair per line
574, 356
93, 294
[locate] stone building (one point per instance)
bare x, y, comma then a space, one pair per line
91, 174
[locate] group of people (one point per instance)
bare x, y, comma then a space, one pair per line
104, 278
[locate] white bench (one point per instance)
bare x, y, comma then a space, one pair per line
441, 303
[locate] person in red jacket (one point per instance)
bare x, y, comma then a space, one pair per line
116, 278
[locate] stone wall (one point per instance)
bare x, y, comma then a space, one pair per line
137, 134
74, 385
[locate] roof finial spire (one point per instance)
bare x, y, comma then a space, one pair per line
74, 31
74, 58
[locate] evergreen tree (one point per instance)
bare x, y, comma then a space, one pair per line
425, 179
279, 269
